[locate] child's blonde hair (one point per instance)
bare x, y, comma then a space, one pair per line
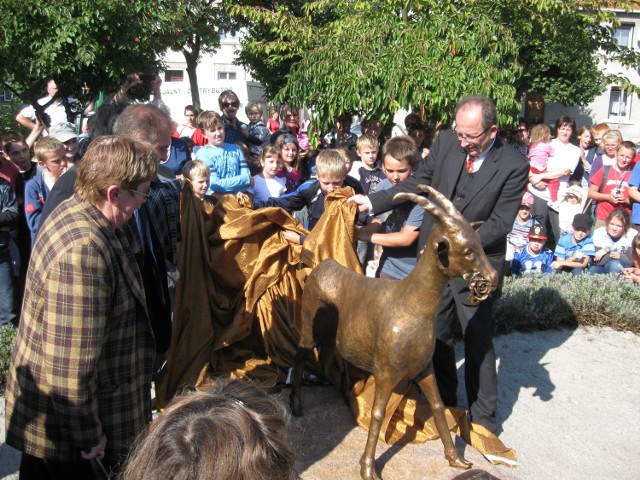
270, 151
209, 120
254, 107
539, 133
195, 168
330, 163
366, 140
612, 135
46, 145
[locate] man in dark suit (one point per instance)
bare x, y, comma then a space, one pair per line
485, 179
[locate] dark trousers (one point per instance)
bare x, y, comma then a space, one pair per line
481, 379
33, 468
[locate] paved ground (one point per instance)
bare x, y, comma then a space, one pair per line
568, 406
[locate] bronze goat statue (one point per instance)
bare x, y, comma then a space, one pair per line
386, 327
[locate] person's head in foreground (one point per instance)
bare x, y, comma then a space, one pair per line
233, 431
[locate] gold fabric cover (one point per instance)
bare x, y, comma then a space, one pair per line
237, 309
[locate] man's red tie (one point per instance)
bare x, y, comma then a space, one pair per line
469, 164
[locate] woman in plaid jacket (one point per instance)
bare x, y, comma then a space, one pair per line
79, 381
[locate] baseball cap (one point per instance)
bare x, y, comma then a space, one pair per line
582, 220
63, 132
537, 231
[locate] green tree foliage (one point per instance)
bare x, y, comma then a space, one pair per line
81, 43
194, 27
373, 57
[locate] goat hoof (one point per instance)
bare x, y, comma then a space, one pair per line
296, 406
369, 473
459, 462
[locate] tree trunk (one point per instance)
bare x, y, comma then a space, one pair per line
534, 109
193, 82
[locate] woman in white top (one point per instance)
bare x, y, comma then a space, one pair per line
561, 165
613, 244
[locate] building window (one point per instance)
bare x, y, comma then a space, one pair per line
226, 75
623, 35
174, 76
618, 103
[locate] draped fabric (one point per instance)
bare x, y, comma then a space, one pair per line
237, 307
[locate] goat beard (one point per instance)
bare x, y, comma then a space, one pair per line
479, 287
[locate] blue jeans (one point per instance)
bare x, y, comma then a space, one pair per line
6, 288
612, 266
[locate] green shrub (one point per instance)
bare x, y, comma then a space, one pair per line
7, 340
563, 300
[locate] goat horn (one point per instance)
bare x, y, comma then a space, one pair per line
439, 213
442, 200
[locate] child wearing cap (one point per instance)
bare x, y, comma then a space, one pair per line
66, 133
518, 237
569, 207
534, 258
575, 249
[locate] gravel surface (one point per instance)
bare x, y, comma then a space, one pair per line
568, 406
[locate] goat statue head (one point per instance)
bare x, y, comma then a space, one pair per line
456, 245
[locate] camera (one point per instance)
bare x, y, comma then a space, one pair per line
147, 77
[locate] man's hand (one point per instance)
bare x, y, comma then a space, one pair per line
363, 202
95, 452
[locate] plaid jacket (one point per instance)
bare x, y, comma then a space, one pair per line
84, 351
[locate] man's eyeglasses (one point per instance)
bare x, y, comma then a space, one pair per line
235, 104
470, 138
142, 194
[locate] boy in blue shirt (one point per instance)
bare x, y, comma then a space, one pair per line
574, 250
533, 258
229, 170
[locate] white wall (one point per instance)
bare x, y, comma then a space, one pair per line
177, 95
598, 110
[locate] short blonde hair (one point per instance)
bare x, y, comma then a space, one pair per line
366, 140
195, 168
330, 163
209, 120
612, 135
46, 145
539, 133
254, 107
114, 160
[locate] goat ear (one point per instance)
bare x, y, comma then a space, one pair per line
476, 225
443, 251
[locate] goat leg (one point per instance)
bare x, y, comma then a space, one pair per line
295, 400
384, 387
430, 388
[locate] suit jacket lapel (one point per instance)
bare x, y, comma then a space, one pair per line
484, 175
455, 166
